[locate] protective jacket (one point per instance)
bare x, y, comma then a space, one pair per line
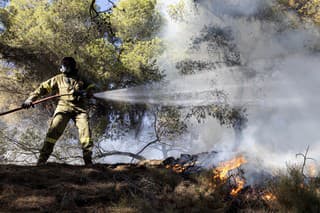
67, 85
70, 106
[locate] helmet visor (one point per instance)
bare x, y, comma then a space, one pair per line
64, 69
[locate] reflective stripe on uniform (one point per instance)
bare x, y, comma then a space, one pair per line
86, 143
50, 140
47, 86
85, 140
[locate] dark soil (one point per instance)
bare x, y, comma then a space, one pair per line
99, 188
149, 187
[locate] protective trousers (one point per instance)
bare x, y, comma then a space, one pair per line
57, 127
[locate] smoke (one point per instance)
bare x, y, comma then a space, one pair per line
276, 78
234, 7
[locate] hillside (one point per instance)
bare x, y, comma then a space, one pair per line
106, 188
172, 185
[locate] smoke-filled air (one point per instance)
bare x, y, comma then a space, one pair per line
160, 105
275, 76
260, 63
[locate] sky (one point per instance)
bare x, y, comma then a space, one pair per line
104, 4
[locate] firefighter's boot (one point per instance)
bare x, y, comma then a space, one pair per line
45, 153
87, 157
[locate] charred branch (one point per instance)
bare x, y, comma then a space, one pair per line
146, 146
305, 159
129, 154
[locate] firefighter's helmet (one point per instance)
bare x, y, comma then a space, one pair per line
68, 65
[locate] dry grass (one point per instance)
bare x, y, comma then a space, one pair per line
295, 192
132, 188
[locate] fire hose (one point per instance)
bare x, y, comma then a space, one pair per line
34, 103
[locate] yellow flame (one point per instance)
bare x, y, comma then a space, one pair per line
222, 170
240, 185
178, 168
268, 196
312, 170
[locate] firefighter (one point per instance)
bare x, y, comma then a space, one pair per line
72, 105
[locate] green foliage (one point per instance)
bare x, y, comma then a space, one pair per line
100, 59
136, 24
136, 56
136, 20
118, 46
305, 8
176, 11
58, 28
50, 29
169, 123
224, 113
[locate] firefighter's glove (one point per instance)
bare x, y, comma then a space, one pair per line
79, 94
90, 94
27, 104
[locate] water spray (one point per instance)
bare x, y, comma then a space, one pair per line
197, 90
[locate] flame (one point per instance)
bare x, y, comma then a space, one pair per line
312, 170
221, 173
178, 168
268, 196
240, 185
222, 170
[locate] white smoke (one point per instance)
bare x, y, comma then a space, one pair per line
279, 79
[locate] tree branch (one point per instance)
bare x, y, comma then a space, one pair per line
92, 10
146, 146
23, 57
94, 13
110, 153
157, 136
305, 158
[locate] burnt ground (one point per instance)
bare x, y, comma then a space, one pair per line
99, 188
117, 188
